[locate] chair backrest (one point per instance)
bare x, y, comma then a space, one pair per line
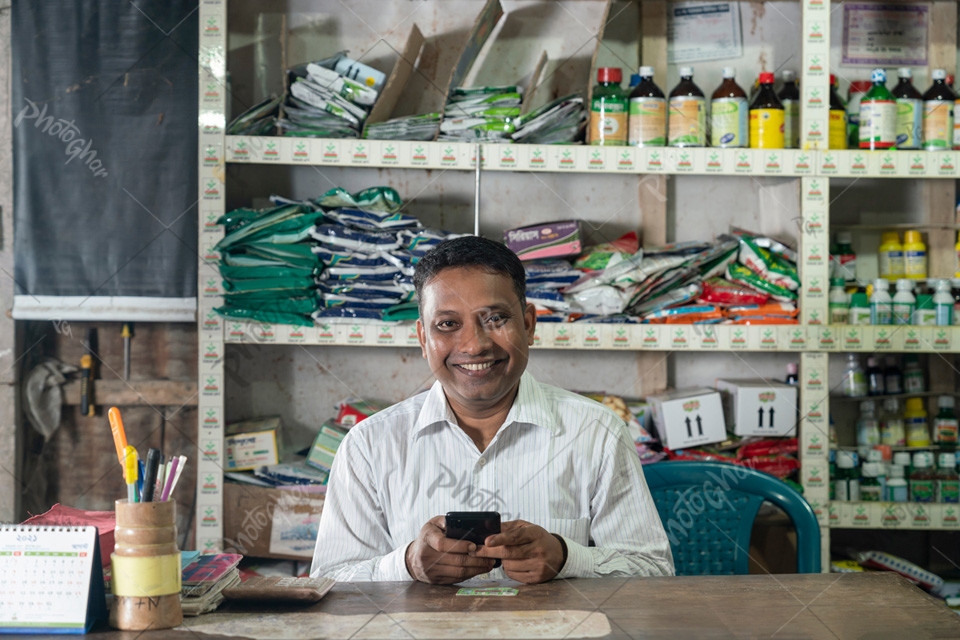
708, 509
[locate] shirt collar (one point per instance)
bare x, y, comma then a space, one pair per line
531, 406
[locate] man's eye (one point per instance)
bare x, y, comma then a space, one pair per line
497, 319
446, 325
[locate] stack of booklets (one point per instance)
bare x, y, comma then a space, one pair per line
481, 114
203, 581
324, 103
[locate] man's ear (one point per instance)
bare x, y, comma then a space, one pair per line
422, 338
530, 322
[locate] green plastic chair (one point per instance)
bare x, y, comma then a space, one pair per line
708, 509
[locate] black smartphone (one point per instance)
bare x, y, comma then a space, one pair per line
474, 526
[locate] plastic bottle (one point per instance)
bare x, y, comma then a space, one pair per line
875, 381
924, 315
789, 97
909, 111
945, 424
854, 379
792, 377
943, 303
915, 421
956, 258
766, 117
868, 427
914, 256
938, 103
879, 458
844, 259
878, 115
838, 302
947, 487
687, 120
729, 113
955, 290
881, 304
913, 379
897, 488
892, 432
635, 79
648, 112
903, 303
608, 109
858, 88
837, 130
890, 255
364, 74
859, 309
892, 377
922, 478
846, 487
871, 489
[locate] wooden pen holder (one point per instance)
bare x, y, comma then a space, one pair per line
146, 567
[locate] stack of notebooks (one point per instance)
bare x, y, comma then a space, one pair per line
203, 581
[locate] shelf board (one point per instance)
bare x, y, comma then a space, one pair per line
582, 158
635, 337
890, 515
896, 396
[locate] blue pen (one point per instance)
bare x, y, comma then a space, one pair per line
139, 479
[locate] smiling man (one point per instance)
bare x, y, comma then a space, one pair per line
559, 468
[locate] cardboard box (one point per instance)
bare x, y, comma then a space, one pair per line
325, 446
271, 523
550, 240
759, 408
250, 450
688, 418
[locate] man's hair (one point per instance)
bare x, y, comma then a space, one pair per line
472, 251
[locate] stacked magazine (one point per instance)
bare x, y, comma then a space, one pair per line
202, 582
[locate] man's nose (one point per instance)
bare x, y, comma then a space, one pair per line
476, 340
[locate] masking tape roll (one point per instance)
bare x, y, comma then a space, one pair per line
150, 576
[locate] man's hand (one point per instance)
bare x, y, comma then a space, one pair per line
530, 553
436, 559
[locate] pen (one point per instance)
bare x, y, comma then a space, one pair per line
139, 478
150, 475
171, 476
130, 472
161, 477
179, 471
119, 436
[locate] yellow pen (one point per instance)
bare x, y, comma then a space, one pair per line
130, 472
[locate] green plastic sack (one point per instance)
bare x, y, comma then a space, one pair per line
380, 199
285, 221
263, 315
251, 272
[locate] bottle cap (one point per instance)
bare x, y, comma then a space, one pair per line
729, 72
950, 79
901, 458
941, 285
873, 361
646, 72
922, 460
955, 283
924, 301
845, 460
860, 86
609, 74
890, 237
882, 284
788, 75
878, 76
766, 78
904, 72
939, 74
947, 460
912, 237
885, 451
895, 471
792, 368
686, 72
844, 237
837, 282
635, 79
904, 285
945, 402
833, 80
874, 455
859, 300
915, 405
867, 406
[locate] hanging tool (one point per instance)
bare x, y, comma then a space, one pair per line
88, 373
126, 333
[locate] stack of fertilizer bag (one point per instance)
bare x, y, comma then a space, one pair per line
269, 272
368, 248
330, 98
422, 128
739, 278
258, 120
559, 122
481, 114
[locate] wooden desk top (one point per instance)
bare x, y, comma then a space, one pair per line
872, 605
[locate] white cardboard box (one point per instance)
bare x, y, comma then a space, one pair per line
759, 407
688, 418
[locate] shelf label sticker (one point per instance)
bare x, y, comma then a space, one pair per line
652, 160
590, 335
270, 150
889, 163
326, 333
919, 515
211, 321
911, 338
815, 66
300, 151
210, 156
596, 158
814, 444
772, 162
863, 514
768, 338
833, 514
360, 152
796, 337
854, 338
622, 337
390, 153
802, 163
814, 133
947, 166
883, 338
536, 158
210, 419
236, 331
211, 386
562, 335
815, 96
355, 333
566, 158
828, 163
330, 152
941, 338
449, 156
709, 338
293, 334
949, 516
743, 161
209, 516
650, 337
814, 194
685, 159
210, 287
817, 507
815, 31
679, 337
209, 483
211, 91
240, 149
892, 515
917, 164
386, 334
507, 158
716, 161
739, 339
211, 188
421, 154
814, 290
859, 163
626, 158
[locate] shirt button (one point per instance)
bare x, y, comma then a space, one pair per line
481, 462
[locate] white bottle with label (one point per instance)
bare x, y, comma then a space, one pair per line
943, 302
903, 302
838, 302
881, 304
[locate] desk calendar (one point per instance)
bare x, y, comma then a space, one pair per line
52, 579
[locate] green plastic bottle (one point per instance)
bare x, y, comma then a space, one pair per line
608, 109
878, 115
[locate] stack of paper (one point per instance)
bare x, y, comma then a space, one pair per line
481, 114
323, 103
258, 120
203, 581
422, 127
560, 121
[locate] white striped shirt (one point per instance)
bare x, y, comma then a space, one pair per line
560, 461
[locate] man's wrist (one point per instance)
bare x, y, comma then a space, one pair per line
406, 560
563, 546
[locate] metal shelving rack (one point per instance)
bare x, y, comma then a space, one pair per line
813, 340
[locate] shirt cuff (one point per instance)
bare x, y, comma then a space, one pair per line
579, 562
393, 566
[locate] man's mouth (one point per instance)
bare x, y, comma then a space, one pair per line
477, 366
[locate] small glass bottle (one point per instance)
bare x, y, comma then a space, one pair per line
868, 428
839, 302
792, 378
909, 111
875, 380
608, 109
947, 487
648, 112
892, 429
729, 113
854, 380
789, 96
837, 132
687, 120
922, 478
915, 421
766, 117
892, 377
945, 424
914, 381
938, 103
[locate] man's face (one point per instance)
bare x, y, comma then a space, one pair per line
475, 335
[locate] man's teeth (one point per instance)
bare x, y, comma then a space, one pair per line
477, 367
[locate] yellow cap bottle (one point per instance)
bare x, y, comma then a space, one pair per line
914, 256
890, 256
915, 419
956, 252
